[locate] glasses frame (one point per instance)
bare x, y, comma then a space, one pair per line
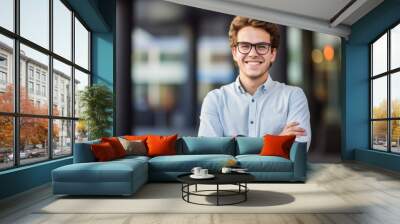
269, 46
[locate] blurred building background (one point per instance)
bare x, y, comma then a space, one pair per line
180, 53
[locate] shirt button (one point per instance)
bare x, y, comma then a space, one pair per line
252, 100
251, 122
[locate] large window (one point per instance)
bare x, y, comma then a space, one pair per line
44, 64
385, 94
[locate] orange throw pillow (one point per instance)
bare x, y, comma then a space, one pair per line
275, 145
103, 151
116, 145
135, 137
161, 145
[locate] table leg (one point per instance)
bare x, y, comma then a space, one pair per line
245, 193
182, 189
188, 189
217, 194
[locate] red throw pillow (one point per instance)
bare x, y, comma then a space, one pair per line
116, 145
161, 145
103, 151
275, 145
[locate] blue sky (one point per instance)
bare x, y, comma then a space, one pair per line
35, 27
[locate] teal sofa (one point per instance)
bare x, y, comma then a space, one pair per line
125, 176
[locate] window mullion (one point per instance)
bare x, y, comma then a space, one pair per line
389, 106
73, 82
50, 87
371, 140
16, 84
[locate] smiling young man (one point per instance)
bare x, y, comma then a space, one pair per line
255, 105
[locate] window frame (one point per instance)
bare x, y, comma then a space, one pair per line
3, 77
16, 114
388, 74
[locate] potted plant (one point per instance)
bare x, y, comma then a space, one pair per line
96, 105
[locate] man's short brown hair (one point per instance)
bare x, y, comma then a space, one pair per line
240, 22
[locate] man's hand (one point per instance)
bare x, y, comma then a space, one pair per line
292, 129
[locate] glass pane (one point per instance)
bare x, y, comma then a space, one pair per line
6, 142
395, 94
33, 139
7, 14
81, 81
62, 138
62, 89
214, 64
379, 55
161, 79
34, 81
35, 21
81, 45
379, 135
379, 100
395, 136
62, 29
395, 47
6, 74
81, 131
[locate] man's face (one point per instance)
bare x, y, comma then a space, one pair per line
253, 65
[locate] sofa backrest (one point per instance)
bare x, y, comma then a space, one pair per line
190, 146
206, 145
249, 145
184, 145
83, 153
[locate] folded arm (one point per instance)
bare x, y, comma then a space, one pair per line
298, 118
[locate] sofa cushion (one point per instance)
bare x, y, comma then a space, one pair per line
185, 163
131, 158
159, 145
111, 171
116, 145
103, 152
134, 147
135, 137
275, 145
257, 163
249, 145
206, 145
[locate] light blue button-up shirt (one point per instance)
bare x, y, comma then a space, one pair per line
231, 111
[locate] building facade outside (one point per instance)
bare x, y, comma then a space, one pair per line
34, 82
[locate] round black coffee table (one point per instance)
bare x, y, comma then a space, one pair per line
238, 179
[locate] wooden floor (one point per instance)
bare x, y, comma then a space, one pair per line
377, 188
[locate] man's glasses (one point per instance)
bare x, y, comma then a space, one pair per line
261, 48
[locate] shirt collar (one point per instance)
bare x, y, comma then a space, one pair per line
264, 87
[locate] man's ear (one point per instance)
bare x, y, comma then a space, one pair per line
273, 54
234, 51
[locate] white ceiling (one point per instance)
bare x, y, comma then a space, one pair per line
320, 9
324, 16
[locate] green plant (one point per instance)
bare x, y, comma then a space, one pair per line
96, 104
